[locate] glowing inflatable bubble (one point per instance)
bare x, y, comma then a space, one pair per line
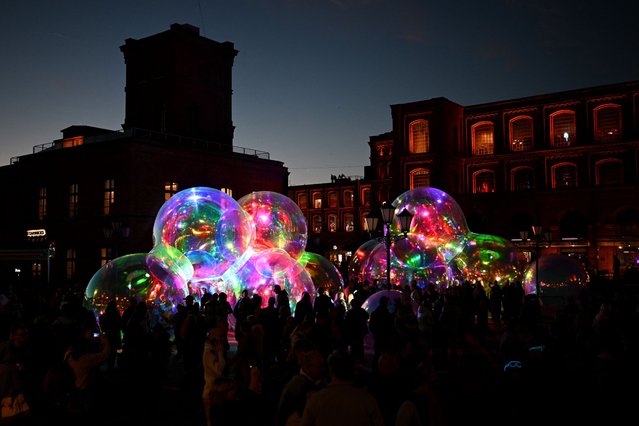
439, 274
356, 263
269, 267
394, 297
206, 223
490, 258
168, 265
322, 271
416, 251
437, 217
561, 277
126, 277
279, 222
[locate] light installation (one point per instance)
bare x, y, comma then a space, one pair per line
205, 241
438, 248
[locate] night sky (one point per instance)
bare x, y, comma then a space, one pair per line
313, 79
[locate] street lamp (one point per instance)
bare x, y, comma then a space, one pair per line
387, 210
537, 232
50, 255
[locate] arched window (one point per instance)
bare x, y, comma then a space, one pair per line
562, 128
521, 133
609, 172
317, 200
419, 178
317, 223
349, 198
564, 175
302, 201
483, 181
349, 224
332, 199
608, 123
366, 196
332, 222
522, 179
483, 138
418, 137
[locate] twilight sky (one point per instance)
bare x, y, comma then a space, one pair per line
313, 79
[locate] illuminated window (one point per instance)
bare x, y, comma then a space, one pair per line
170, 189
484, 181
349, 224
42, 203
366, 196
105, 255
608, 123
227, 191
564, 175
418, 137
71, 142
109, 197
483, 142
521, 133
302, 201
419, 178
317, 223
609, 172
522, 179
349, 198
332, 199
73, 200
36, 270
70, 263
562, 128
332, 222
317, 200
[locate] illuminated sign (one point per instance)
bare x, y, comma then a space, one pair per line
36, 233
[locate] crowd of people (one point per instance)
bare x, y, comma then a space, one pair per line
325, 359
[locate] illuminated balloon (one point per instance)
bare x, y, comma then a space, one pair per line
126, 277
168, 265
416, 251
322, 271
490, 258
436, 217
279, 222
269, 267
356, 263
208, 226
394, 298
561, 277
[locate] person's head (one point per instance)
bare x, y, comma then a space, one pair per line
341, 365
313, 364
19, 334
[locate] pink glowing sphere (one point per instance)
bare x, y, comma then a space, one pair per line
436, 217
266, 268
357, 260
208, 226
279, 222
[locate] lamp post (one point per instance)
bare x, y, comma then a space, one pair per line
50, 255
537, 232
387, 211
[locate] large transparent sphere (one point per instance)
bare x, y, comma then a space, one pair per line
560, 277
129, 277
436, 217
490, 258
324, 274
394, 297
208, 226
279, 222
355, 265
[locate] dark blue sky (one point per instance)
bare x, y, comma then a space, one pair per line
314, 79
